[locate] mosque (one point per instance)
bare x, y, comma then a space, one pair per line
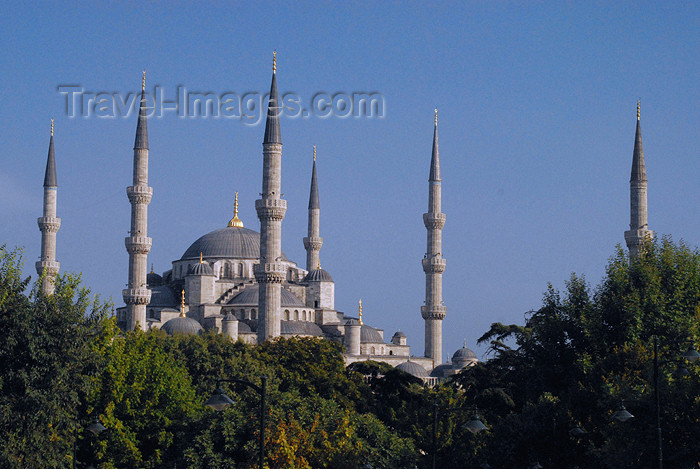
240, 283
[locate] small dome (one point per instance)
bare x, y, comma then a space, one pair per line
440, 371
399, 334
369, 335
250, 296
163, 296
244, 328
413, 368
200, 268
230, 317
463, 356
318, 275
154, 280
352, 322
301, 328
232, 242
182, 325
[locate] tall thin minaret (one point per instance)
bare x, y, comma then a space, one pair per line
270, 272
639, 228
433, 263
137, 295
49, 225
313, 241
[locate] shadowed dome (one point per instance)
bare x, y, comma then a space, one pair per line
250, 296
182, 325
413, 368
441, 371
163, 296
318, 275
232, 242
369, 335
154, 280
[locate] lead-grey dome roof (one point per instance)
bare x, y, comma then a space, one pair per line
250, 296
200, 268
231, 242
369, 335
162, 296
182, 325
318, 275
301, 328
441, 370
464, 354
413, 368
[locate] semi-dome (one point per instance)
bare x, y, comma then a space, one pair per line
413, 368
200, 268
301, 328
250, 296
369, 335
163, 296
182, 325
232, 242
318, 275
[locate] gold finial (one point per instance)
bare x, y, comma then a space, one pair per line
314, 152
360, 313
274, 61
143, 81
201, 261
182, 304
319, 265
638, 103
235, 221
52, 127
152, 269
435, 116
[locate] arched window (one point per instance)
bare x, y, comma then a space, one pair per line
286, 315
303, 315
240, 270
254, 314
316, 304
242, 313
296, 314
221, 271
371, 351
227, 270
311, 316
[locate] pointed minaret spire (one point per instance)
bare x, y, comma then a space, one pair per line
137, 294
639, 230
49, 225
272, 125
271, 272
433, 311
313, 240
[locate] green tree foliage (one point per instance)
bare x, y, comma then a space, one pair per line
46, 361
584, 351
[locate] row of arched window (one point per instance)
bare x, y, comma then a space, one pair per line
296, 315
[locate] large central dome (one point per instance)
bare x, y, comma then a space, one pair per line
231, 242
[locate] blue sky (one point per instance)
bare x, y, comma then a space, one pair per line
537, 113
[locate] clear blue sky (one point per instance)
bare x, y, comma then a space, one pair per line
537, 113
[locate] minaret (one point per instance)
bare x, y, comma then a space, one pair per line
313, 241
137, 295
49, 225
433, 263
639, 229
270, 272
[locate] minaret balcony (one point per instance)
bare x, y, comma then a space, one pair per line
433, 312
136, 296
313, 243
138, 244
434, 221
51, 266
271, 209
434, 265
638, 237
139, 194
270, 272
49, 224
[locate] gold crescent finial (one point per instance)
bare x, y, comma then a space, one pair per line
360, 312
235, 222
52, 127
143, 81
435, 116
314, 152
274, 61
152, 269
319, 265
201, 261
638, 105
182, 304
